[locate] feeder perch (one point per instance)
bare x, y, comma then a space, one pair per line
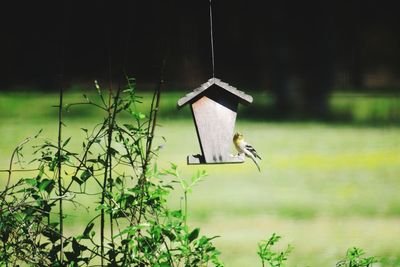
214, 107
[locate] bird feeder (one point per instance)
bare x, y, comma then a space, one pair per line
214, 107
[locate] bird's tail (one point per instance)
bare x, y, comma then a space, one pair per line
255, 161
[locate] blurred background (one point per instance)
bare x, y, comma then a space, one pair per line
325, 77
304, 54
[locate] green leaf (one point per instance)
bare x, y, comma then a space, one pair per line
88, 228
203, 240
113, 151
70, 256
130, 229
155, 169
130, 127
169, 234
86, 98
193, 235
184, 184
85, 175
66, 142
138, 115
119, 181
176, 213
37, 135
173, 173
47, 158
77, 180
46, 185
51, 235
29, 181
174, 166
76, 247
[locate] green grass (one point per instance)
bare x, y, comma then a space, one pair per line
323, 187
366, 107
354, 108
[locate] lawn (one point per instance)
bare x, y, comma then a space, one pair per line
323, 187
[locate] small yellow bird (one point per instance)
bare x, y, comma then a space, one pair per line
245, 148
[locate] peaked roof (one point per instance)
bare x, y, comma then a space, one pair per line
243, 97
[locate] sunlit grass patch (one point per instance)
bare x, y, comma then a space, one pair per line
364, 160
362, 107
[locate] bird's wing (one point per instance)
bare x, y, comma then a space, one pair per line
251, 149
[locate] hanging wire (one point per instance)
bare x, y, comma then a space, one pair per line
212, 40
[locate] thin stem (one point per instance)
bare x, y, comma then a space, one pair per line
110, 132
185, 208
153, 117
10, 170
87, 149
60, 191
111, 121
20, 170
86, 103
89, 249
111, 203
155, 105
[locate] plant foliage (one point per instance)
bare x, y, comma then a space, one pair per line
131, 224
267, 255
355, 258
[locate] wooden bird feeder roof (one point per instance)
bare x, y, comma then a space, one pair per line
242, 97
